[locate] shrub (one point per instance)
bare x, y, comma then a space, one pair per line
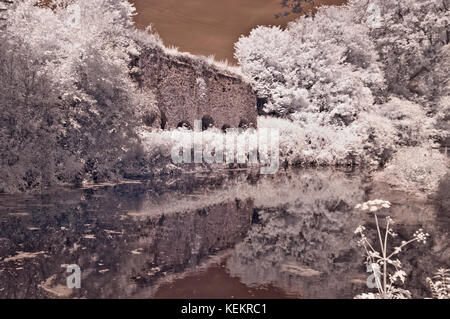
325, 66
440, 286
415, 169
69, 107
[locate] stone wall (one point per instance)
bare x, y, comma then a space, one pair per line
4, 5
190, 88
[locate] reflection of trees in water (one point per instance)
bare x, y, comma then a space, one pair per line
307, 247
128, 239
443, 197
290, 244
61, 225
289, 247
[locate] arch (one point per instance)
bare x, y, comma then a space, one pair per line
207, 122
260, 104
149, 119
243, 123
163, 120
184, 124
225, 127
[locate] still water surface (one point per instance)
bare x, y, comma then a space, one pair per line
247, 236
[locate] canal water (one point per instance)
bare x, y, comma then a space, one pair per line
289, 235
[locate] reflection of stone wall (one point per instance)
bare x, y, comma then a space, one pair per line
188, 88
116, 252
175, 241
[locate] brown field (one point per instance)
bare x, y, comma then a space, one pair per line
209, 26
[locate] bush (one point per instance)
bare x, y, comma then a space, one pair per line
370, 141
325, 66
410, 120
415, 169
69, 107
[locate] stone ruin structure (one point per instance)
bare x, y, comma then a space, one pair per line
189, 88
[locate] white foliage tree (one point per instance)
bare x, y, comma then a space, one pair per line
324, 72
324, 67
408, 35
68, 100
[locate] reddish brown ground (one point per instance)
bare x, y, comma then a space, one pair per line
209, 27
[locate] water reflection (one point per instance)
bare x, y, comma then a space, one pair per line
289, 235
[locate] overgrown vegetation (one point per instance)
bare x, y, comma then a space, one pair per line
387, 276
440, 284
68, 104
381, 261
358, 82
341, 91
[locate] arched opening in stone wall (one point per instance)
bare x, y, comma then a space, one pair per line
243, 123
225, 127
260, 104
149, 119
163, 120
185, 125
207, 122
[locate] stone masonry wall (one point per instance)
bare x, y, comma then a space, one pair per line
188, 88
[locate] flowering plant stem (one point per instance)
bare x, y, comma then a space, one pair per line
375, 259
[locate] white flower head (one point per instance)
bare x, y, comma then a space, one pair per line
420, 236
360, 229
374, 205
